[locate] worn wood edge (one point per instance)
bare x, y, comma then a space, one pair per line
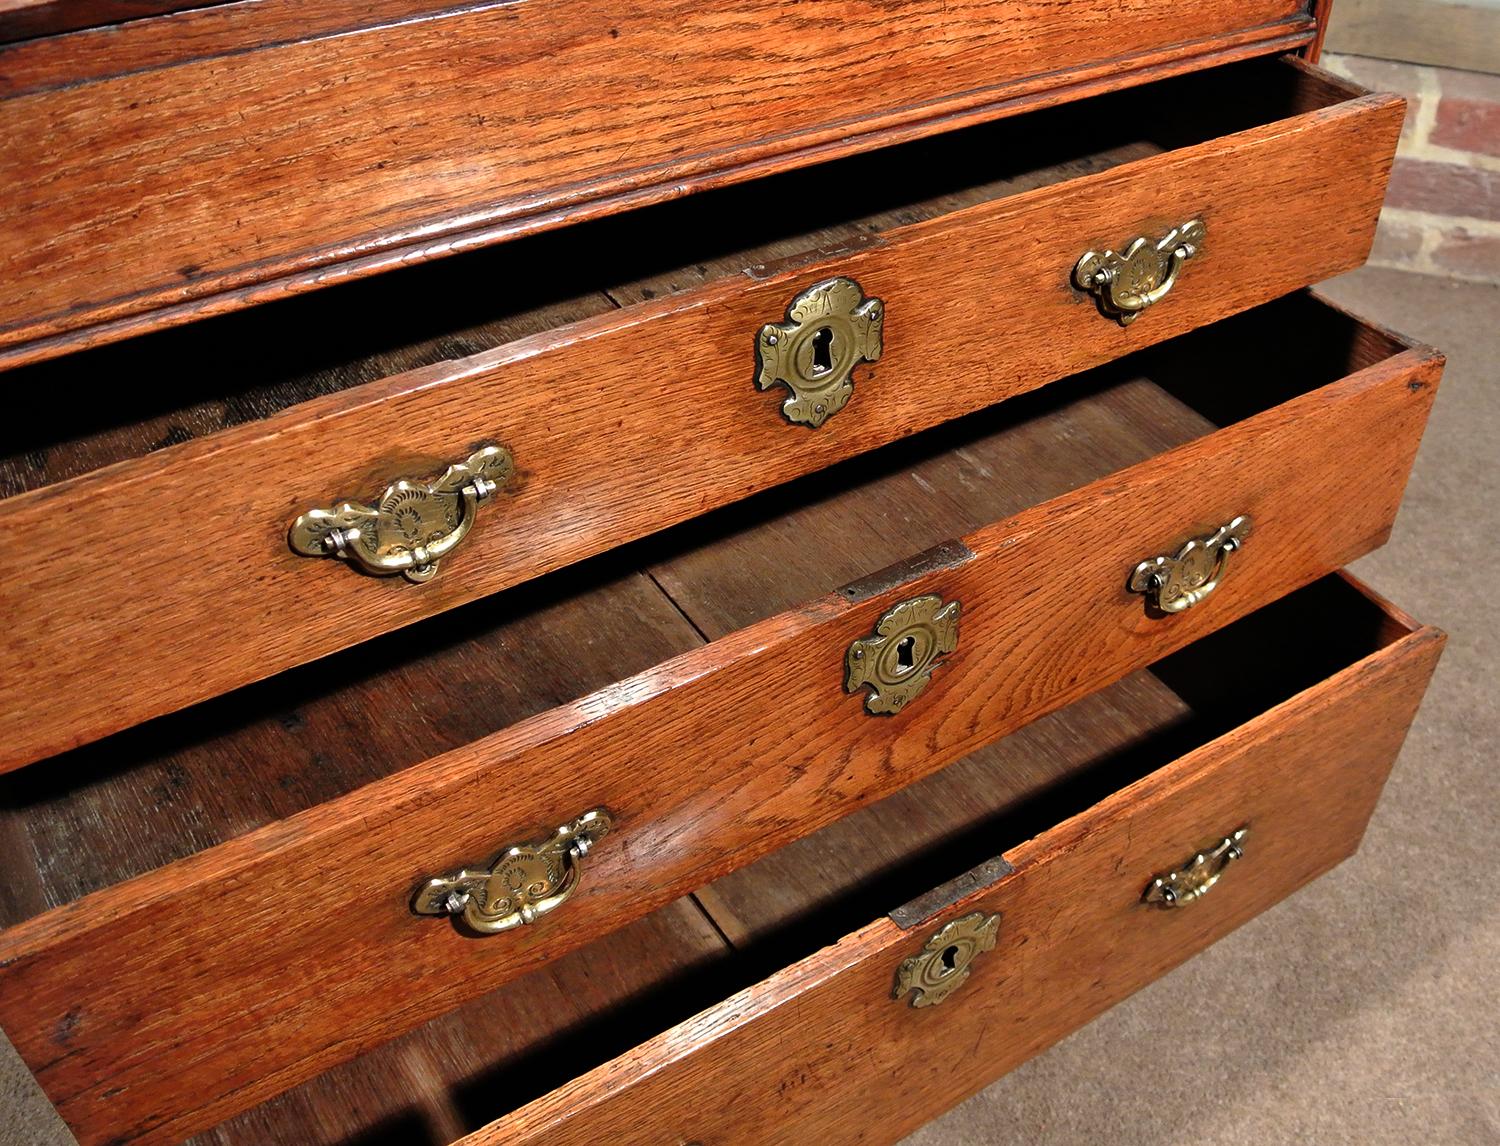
54, 335
445, 777
1137, 799
427, 781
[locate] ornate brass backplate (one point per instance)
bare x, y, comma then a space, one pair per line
830, 328
896, 662
414, 523
1173, 584
1198, 875
1126, 284
942, 966
525, 882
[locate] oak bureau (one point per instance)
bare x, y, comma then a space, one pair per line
588, 572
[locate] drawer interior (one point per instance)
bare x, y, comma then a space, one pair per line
526, 1038
167, 388
142, 798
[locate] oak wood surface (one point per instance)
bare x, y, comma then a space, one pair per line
122, 36
820, 1049
429, 1086
811, 893
572, 402
405, 140
754, 779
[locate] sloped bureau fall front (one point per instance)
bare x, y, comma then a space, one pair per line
633, 572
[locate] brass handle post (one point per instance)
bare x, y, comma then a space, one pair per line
1126, 284
1173, 584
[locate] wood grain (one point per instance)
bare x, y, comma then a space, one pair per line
571, 403
429, 1086
409, 140
820, 1050
124, 37
754, 780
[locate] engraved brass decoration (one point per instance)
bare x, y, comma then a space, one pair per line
896, 663
942, 966
412, 526
524, 883
830, 327
1145, 274
1198, 876
1176, 583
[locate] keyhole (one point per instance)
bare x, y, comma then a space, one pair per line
905, 660
822, 346
950, 959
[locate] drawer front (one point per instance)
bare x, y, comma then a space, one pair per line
159, 614
822, 1048
1047, 617
422, 136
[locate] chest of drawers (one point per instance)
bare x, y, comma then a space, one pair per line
721, 574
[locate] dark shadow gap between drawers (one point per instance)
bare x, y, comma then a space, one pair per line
174, 786
85, 411
774, 915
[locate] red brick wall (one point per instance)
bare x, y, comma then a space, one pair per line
1442, 215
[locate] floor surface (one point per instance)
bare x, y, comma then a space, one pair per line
1366, 1009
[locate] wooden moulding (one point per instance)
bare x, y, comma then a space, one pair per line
264, 989
351, 153
820, 1049
167, 579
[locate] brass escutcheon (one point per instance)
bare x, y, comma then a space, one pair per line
525, 882
830, 328
412, 526
1198, 875
1173, 584
942, 966
896, 663
1145, 274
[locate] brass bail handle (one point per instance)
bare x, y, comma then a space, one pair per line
1173, 584
526, 881
1126, 284
412, 526
1197, 877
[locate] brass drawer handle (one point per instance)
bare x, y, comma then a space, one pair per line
525, 882
896, 662
942, 966
413, 525
1198, 875
830, 328
1145, 274
1177, 583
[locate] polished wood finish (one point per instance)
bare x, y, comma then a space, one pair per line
351, 153
1047, 620
977, 283
820, 1050
427, 1087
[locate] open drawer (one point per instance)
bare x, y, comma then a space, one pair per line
616, 364
262, 853
1034, 864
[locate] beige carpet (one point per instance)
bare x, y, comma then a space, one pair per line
1363, 1010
